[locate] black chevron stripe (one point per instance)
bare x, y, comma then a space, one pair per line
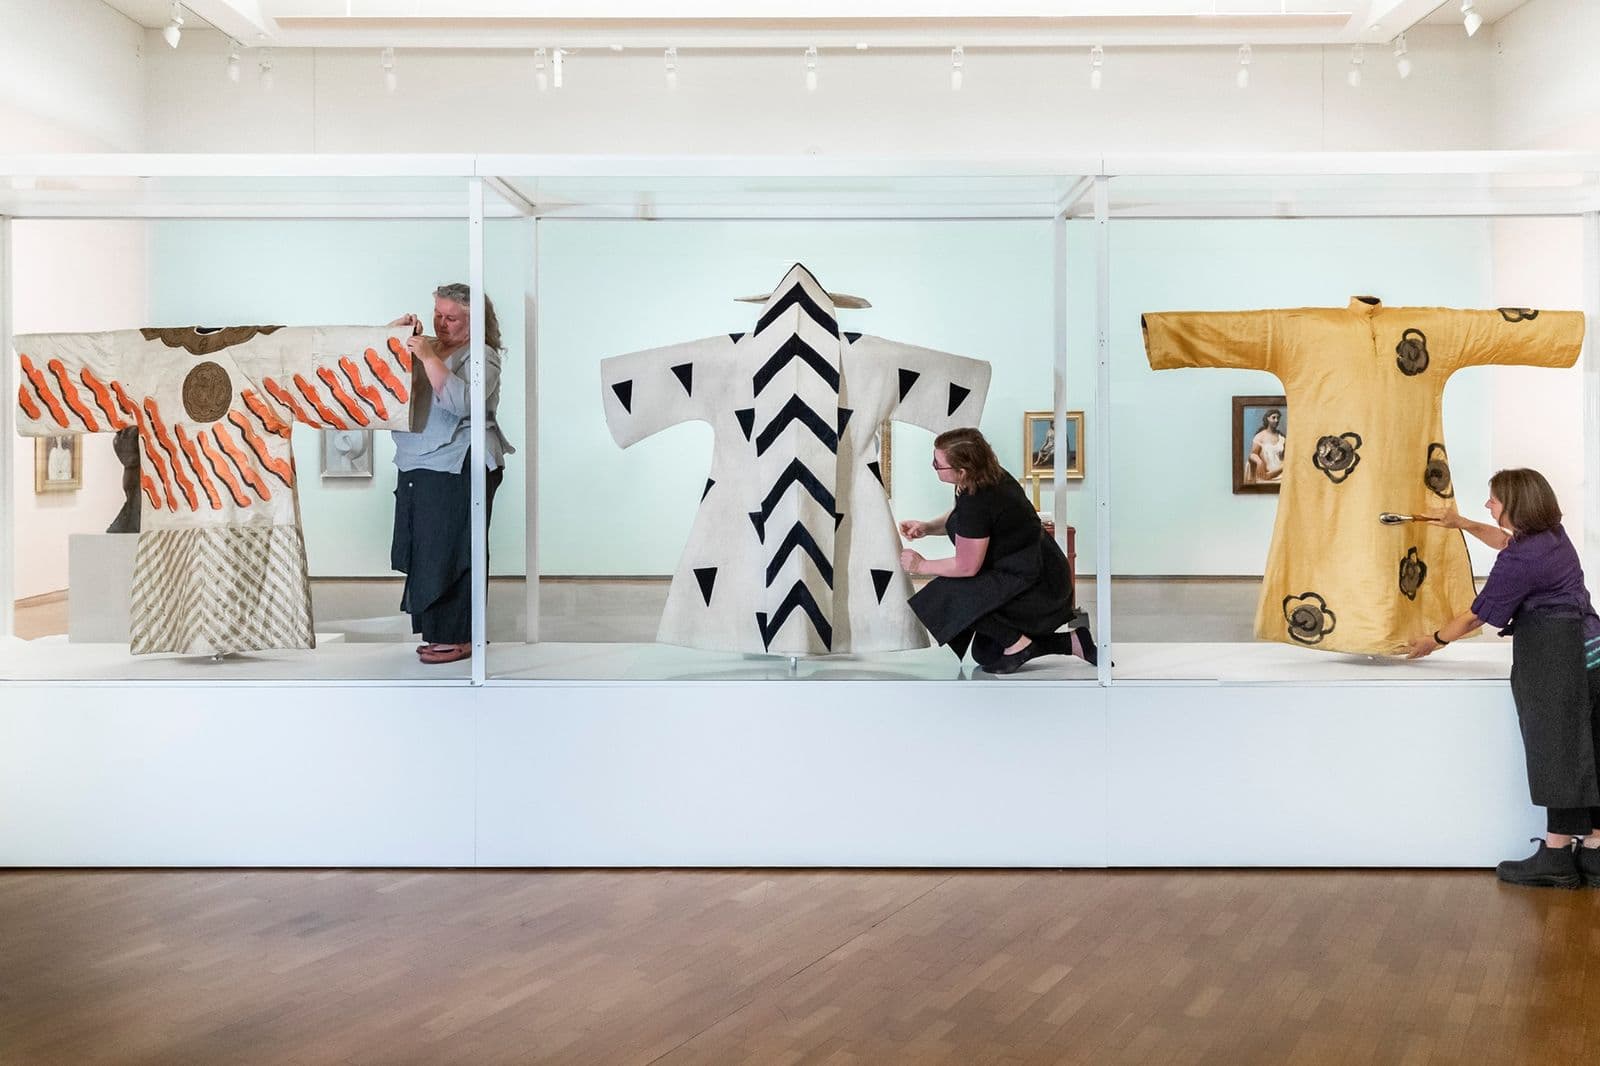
791, 349
798, 295
796, 410
799, 598
799, 537
795, 472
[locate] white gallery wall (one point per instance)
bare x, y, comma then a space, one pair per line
866, 103
71, 80
81, 77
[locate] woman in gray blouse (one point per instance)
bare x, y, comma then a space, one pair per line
433, 492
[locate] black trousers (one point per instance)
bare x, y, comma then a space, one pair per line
432, 547
1571, 821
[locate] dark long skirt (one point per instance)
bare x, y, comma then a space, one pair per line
432, 546
1028, 592
1558, 710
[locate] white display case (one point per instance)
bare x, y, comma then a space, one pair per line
554, 755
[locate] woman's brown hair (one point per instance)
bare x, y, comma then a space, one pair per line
966, 451
1528, 503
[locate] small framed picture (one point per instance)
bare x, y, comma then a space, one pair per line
58, 463
347, 453
1039, 445
1260, 430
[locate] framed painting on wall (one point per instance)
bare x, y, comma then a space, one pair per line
1039, 445
1260, 430
58, 463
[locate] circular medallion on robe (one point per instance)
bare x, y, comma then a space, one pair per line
1308, 617
207, 392
1436, 475
1413, 572
1411, 354
1337, 457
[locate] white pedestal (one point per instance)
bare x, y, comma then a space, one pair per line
99, 586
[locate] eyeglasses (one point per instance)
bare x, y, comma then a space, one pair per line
936, 466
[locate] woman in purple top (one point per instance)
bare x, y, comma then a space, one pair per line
1536, 592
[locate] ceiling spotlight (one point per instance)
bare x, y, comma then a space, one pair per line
174, 31
1471, 21
1242, 79
540, 78
266, 69
233, 61
1353, 76
555, 66
391, 81
616, 48
957, 58
1097, 58
672, 68
811, 69
1402, 61
862, 46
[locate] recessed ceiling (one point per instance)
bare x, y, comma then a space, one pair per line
827, 23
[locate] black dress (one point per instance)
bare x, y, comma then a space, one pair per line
1023, 586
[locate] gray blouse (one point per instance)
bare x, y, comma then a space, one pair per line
446, 435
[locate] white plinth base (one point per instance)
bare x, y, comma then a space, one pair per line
1391, 767
100, 586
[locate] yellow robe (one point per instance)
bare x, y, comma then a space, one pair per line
1364, 385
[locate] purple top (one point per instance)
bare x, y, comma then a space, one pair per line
1537, 573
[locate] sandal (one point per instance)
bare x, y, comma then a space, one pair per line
448, 653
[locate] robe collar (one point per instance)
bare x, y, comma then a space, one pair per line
1365, 305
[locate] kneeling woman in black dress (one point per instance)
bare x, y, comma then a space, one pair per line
1008, 587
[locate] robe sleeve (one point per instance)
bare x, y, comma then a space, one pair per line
647, 391
1239, 340
334, 377
72, 383
1518, 336
935, 390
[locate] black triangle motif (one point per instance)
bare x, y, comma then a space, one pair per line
707, 576
685, 372
735, 337
624, 391
958, 395
877, 471
880, 582
707, 491
908, 378
852, 337
747, 420
844, 417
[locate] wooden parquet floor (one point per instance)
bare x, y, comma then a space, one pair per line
779, 967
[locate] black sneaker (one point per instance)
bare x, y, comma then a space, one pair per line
1589, 866
1546, 868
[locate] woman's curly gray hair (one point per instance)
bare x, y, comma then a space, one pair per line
462, 294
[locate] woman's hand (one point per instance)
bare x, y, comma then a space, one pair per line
409, 320
1423, 646
422, 347
912, 561
911, 529
1447, 519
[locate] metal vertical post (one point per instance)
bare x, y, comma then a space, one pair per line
1102, 424
8, 438
1590, 364
530, 435
1058, 483
478, 453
